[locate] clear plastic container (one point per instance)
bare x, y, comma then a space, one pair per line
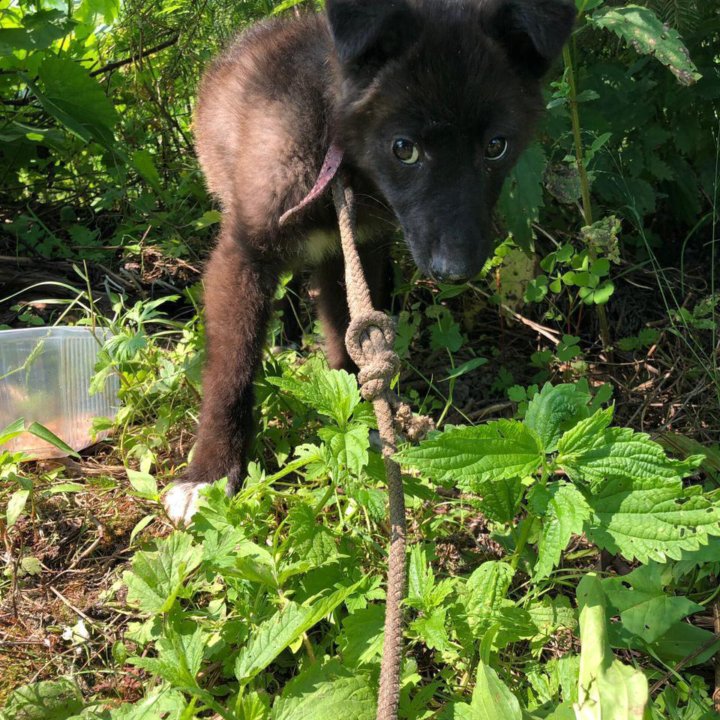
45, 377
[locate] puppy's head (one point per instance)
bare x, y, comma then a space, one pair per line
438, 99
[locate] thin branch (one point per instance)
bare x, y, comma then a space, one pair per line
134, 58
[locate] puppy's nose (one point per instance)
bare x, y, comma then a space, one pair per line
444, 269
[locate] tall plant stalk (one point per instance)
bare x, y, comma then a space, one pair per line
583, 175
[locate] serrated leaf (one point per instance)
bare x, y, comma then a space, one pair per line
178, 660
421, 578
501, 499
156, 577
471, 457
163, 703
650, 519
431, 629
566, 514
253, 705
640, 28
308, 538
484, 594
623, 453
549, 615
330, 392
583, 436
644, 607
327, 692
348, 446
31, 565
47, 700
282, 630
608, 690
362, 636
555, 409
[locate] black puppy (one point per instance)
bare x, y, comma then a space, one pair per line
429, 103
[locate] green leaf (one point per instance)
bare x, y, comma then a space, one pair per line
76, 100
565, 516
208, 218
253, 706
144, 484
644, 608
145, 165
330, 392
522, 195
431, 629
501, 499
583, 436
327, 692
178, 660
466, 368
255, 563
484, 595
445, 333
349, 446
685, 643
12, 431
651, 519
31, 565
163, 703
608, 690
38, 32
491, 699
50, 437
622, 453
282, 630
47, 700
15, 506
640, 28
421, 579
471, 457
549, 615
554, 410
362, 636
308, 538
156, 578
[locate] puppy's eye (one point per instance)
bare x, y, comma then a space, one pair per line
496, 148
406, 151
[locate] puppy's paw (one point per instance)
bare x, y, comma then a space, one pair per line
181, 501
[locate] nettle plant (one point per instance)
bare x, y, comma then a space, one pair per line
568, 472
270, 605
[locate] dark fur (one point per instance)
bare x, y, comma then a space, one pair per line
449, 74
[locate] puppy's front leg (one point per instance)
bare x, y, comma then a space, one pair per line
239, 290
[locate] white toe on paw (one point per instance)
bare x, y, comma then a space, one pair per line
181, 501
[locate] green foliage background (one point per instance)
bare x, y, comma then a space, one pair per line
561, 566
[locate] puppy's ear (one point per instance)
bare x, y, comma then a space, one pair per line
368, 33
533, 31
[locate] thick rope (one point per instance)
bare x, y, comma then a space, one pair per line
369, 341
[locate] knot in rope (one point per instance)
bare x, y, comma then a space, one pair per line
376, 377
369, 340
